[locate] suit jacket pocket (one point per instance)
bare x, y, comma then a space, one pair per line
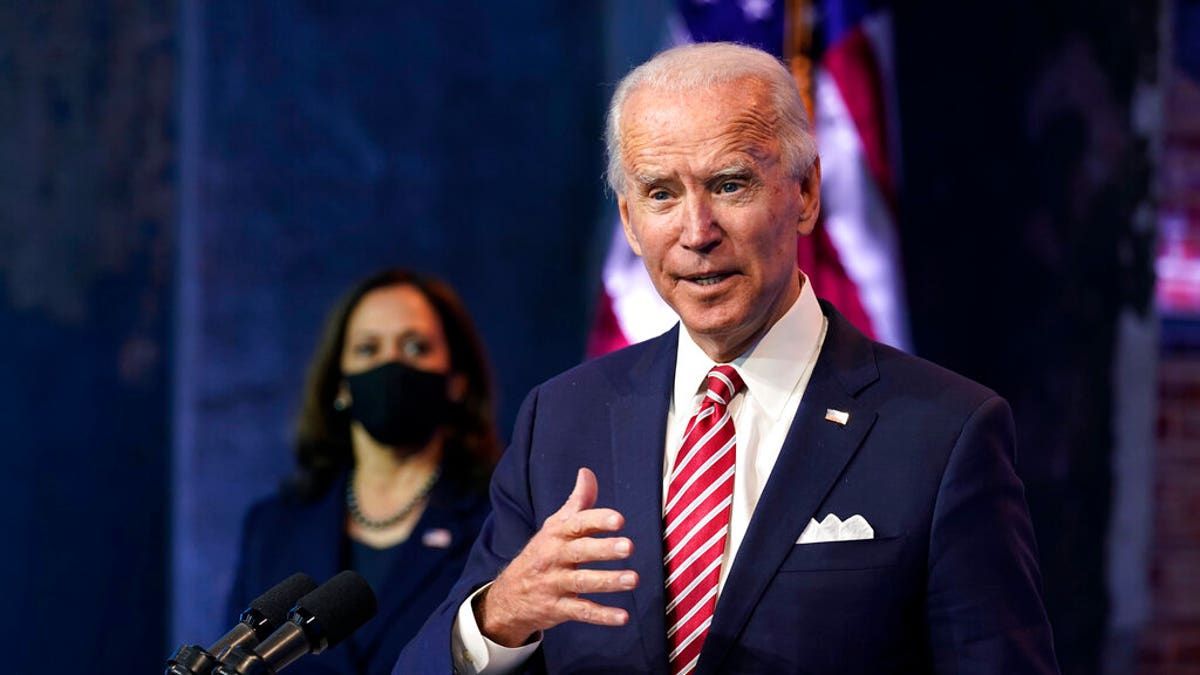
861, 554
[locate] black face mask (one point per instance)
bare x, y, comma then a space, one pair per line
398, 405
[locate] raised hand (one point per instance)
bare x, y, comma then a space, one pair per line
540, 588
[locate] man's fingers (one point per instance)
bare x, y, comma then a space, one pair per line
584, 495
577, 518
586, 523
588, 549
586, 611
598, 581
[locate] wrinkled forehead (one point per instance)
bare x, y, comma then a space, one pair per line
728, 96
728, 117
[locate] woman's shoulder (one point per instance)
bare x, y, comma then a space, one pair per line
461, 491
289, 501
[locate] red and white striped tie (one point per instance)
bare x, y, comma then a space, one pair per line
696, 519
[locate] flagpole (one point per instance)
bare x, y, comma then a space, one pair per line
798, 47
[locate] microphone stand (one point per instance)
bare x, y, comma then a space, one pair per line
191, 660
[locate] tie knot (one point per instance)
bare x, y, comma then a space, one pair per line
723, 384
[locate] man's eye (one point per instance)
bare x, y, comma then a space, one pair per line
728, 188
366, 349
660, 195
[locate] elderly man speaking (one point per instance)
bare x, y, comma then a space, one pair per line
764, 490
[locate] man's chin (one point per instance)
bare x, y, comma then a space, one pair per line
720, 335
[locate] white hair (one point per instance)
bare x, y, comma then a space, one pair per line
706, 64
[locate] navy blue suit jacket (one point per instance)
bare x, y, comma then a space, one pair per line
949, 584
283, 535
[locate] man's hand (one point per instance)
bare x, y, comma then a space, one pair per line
540, 588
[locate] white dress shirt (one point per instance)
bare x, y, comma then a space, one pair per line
776, 371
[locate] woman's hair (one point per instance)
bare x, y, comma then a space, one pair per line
323, 446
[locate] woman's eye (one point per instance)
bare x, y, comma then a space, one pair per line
416, 348
366, 349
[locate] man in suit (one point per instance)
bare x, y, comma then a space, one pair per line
764, 490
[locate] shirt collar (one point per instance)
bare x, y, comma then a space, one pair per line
771, 368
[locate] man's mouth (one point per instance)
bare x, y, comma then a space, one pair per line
708, 279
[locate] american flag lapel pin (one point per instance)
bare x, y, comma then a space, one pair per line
437, 538
839, 417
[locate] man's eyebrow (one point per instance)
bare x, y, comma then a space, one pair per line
733, 170
649, 179
736, 170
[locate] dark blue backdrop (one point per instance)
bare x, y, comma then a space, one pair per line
332, 140
86, 225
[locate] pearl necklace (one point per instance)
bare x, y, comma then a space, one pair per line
365, 522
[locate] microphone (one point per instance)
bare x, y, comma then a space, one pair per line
264, 615
319, 621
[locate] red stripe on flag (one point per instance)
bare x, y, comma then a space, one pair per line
819, 259
606, 335
853, 65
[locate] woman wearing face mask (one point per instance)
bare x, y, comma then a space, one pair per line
395, 446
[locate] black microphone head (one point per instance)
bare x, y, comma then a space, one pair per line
336, 609
266, 613
275, 604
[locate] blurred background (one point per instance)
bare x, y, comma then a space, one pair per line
186, 187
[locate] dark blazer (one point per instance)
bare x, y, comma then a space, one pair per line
283, 535
950, 583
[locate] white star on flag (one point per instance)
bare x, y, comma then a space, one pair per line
757, 10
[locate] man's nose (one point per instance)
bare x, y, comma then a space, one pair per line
700, 231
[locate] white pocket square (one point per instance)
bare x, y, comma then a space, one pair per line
833, 528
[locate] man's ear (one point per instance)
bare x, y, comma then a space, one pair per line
810, 194
627, 224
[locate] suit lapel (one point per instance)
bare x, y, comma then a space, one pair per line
316, 544
812, 458
639, 428
319, 539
